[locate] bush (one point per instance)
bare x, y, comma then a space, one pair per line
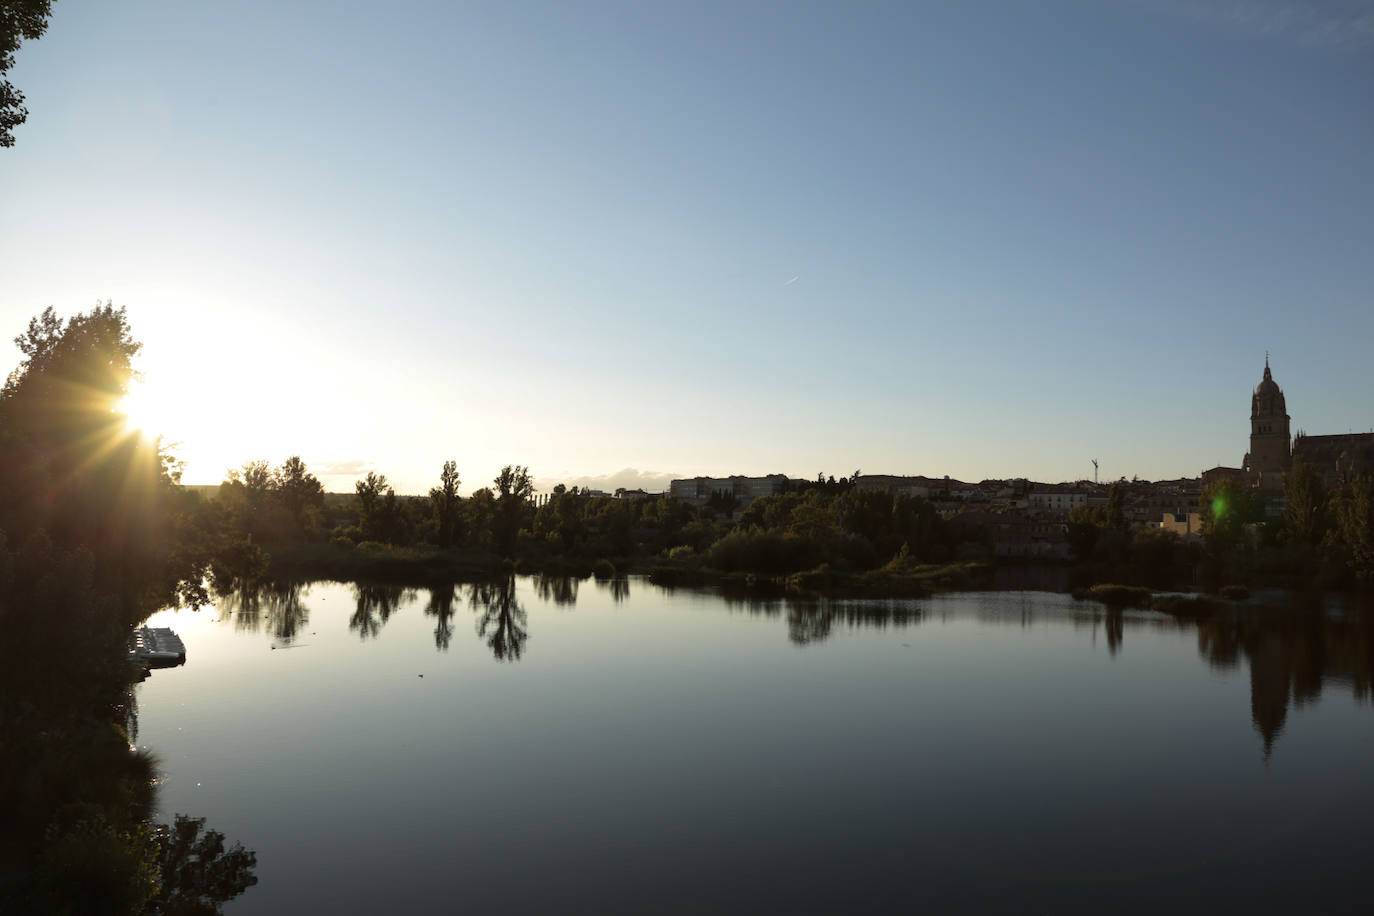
1120, 595
603, 569
681, 552
342, 541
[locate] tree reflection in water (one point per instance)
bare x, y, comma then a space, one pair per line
501, 620
561, 590
376, 604
811, 621
440, 606
277, 604
198, 874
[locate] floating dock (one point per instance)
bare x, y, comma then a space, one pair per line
156, 647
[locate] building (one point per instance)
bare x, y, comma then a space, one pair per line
923, 487
699, 490
1273, 450
1062, 498
1187, 525
1271, 453
1339, 458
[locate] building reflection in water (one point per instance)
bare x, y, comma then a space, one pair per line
1292, 652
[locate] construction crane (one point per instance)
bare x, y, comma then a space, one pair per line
1094, 461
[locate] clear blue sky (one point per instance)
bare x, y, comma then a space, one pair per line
977, 239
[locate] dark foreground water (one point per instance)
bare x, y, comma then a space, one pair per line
619, 748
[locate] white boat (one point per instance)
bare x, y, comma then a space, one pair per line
156, 647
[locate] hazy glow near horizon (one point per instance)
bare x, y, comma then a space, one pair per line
981, 239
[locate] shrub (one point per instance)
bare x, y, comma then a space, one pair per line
604, 569
1120, 595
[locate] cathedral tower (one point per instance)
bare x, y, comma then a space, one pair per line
1270, 443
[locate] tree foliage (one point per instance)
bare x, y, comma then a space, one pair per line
19, 20
446, 505
513, 508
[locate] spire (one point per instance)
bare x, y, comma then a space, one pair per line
1266, 365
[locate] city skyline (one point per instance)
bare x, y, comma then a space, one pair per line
986, 241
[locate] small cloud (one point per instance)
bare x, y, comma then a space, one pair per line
790, 282
348, 467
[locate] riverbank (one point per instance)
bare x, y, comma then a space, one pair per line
432, 565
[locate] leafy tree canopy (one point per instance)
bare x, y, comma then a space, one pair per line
19, 19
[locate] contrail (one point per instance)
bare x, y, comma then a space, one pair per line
790, 282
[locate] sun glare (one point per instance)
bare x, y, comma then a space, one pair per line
144, 411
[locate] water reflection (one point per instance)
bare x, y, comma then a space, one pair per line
198, 874
501, 619
440, 607
375, 605
1292, 654
561, 590
1292, 651
277, 605
812, 621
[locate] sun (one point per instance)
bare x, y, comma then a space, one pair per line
145, 411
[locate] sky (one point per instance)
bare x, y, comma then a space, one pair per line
624, 242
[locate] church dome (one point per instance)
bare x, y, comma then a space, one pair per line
1268, 400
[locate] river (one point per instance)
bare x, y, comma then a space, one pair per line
547, 745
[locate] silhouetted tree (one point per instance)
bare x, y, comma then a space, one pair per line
446, 505
371, 490
513, 492
300, 493
481, 511
19, 20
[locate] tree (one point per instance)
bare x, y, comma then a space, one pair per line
372, 490
514, 490
1356, 517
71, 466
299, 492
1228, 508
481, 514
1116, 507
1305, 498
446, 504
19, 20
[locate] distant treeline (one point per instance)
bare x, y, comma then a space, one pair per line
826, 535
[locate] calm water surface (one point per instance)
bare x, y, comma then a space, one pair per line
549, 746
